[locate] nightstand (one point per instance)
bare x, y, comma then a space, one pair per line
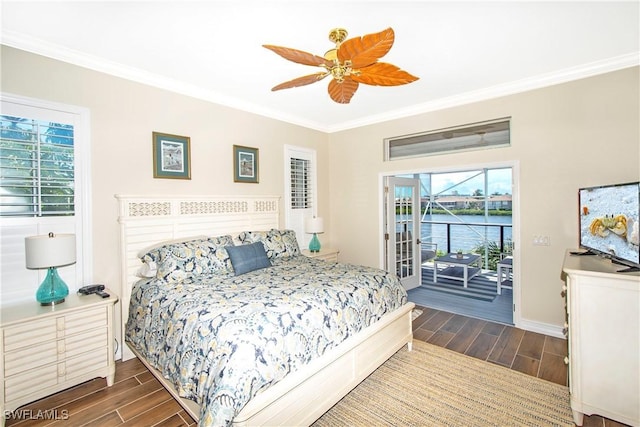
325, 254
46, 349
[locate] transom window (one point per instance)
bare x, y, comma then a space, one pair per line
476, 136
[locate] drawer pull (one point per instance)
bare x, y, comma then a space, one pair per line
566, 360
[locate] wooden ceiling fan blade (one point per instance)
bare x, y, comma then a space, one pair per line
301, 81
342, 92
383, 74
299, 56
366, 50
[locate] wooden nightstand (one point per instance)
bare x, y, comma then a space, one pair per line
48, 349
325, 254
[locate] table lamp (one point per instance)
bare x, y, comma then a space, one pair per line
314, 225
50, 251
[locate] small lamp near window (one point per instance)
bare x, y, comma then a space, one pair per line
50, 252
314, 225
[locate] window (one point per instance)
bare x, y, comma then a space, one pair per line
491, 134
36, 167
300, 190
300, 183
44, 187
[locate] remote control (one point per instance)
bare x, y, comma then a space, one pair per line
103, 294
90, 289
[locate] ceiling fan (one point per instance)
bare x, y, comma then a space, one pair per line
350, 63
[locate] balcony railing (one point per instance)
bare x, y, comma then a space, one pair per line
466, 236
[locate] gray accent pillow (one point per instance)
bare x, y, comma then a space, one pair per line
246, 258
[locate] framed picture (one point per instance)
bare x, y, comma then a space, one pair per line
245, 164
171, 156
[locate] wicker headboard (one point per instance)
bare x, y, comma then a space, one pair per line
148, 220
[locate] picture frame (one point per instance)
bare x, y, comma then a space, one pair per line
171, 156
245, 164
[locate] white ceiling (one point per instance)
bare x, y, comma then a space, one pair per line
461, 51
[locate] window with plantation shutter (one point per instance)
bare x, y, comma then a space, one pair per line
300, 190
300, 183
37, 167
44, 188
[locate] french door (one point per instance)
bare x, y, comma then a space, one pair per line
403, 229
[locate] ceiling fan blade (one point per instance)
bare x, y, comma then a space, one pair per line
383, 74
366, 50
342, 92
301, 81
299, 56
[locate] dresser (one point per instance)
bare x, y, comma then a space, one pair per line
325, 254
603, 325
46, 349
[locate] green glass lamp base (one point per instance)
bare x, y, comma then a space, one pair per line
53, 290
314, 244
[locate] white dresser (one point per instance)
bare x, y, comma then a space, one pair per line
603, 311
48, 349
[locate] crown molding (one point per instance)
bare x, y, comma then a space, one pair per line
50, 50
510, 88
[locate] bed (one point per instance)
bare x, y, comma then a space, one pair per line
289, 324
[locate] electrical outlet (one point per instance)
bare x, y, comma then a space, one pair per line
540, 240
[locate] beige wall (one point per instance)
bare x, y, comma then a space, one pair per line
123, 116
563, 137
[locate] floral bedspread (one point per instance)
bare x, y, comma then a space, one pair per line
221, 339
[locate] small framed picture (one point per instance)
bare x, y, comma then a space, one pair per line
171, 156
245, 164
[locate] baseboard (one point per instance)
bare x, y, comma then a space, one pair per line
542, 328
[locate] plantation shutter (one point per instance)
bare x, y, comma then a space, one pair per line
300, 184
45, 170
37, 168
300, 190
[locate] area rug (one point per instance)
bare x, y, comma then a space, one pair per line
433, 386
482, 287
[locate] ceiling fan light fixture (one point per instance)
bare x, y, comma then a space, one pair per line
356, 57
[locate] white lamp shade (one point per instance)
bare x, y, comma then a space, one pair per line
314, 225
53, 250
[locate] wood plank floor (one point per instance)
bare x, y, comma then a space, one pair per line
138, 399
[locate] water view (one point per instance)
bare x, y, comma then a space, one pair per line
464, 237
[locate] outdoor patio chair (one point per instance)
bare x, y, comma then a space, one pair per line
505, 272
429, 251
404, 244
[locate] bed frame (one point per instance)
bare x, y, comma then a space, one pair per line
302, 396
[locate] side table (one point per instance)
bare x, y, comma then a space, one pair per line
46, 349
325, 254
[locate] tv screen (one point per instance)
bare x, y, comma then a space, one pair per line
609, 217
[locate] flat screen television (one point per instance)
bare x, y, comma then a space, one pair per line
609, 216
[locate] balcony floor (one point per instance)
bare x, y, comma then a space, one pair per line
498, 310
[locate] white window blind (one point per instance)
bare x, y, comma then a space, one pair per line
300, 184
37, 171
300, 190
